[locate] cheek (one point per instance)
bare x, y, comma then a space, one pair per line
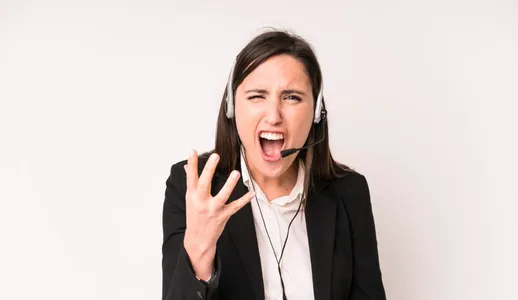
246, 122
300, 125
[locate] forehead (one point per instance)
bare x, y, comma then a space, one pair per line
281, 70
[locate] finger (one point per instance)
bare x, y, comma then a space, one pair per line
192, 171
227, 189
236, 205
204, 182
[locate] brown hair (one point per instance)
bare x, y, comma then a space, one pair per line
318, 161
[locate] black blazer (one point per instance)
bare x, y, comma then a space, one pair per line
341, 233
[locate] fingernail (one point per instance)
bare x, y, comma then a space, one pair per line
214, 157
235, 174
191, 153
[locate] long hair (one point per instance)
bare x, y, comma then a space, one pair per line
318, 161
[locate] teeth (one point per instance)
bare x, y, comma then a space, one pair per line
272, 136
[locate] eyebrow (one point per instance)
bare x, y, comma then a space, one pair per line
289, 91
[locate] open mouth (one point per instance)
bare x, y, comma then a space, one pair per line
271, 145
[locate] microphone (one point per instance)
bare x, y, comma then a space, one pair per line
290, 151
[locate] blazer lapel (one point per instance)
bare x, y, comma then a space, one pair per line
320, 223
242, 230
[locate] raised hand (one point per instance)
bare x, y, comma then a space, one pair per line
206, 215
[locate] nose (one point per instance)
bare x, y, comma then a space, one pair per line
273, 113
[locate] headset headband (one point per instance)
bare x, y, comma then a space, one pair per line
230, 98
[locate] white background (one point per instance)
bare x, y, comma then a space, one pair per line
100, 98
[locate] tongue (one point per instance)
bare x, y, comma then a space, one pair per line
271, 148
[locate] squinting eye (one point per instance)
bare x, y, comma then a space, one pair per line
293, 97
254, 97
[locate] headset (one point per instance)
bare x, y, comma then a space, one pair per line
230, 98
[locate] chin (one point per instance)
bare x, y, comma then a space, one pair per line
274, 169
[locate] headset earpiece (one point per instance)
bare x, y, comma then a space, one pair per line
318, 105
319, 112
230, 93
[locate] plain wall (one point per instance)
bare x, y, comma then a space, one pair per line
97, 101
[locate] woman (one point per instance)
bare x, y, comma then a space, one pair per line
255, 220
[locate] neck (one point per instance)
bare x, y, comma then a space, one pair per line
274, 187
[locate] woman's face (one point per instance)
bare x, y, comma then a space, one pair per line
274, 111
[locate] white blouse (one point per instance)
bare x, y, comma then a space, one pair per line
295, 264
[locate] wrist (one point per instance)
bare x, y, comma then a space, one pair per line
202, 259
197, 249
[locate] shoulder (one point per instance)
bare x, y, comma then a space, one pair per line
348, 182
351, 190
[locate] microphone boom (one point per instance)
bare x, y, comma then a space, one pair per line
290, 151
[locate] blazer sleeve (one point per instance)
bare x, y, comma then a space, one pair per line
179, 281
367, 281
